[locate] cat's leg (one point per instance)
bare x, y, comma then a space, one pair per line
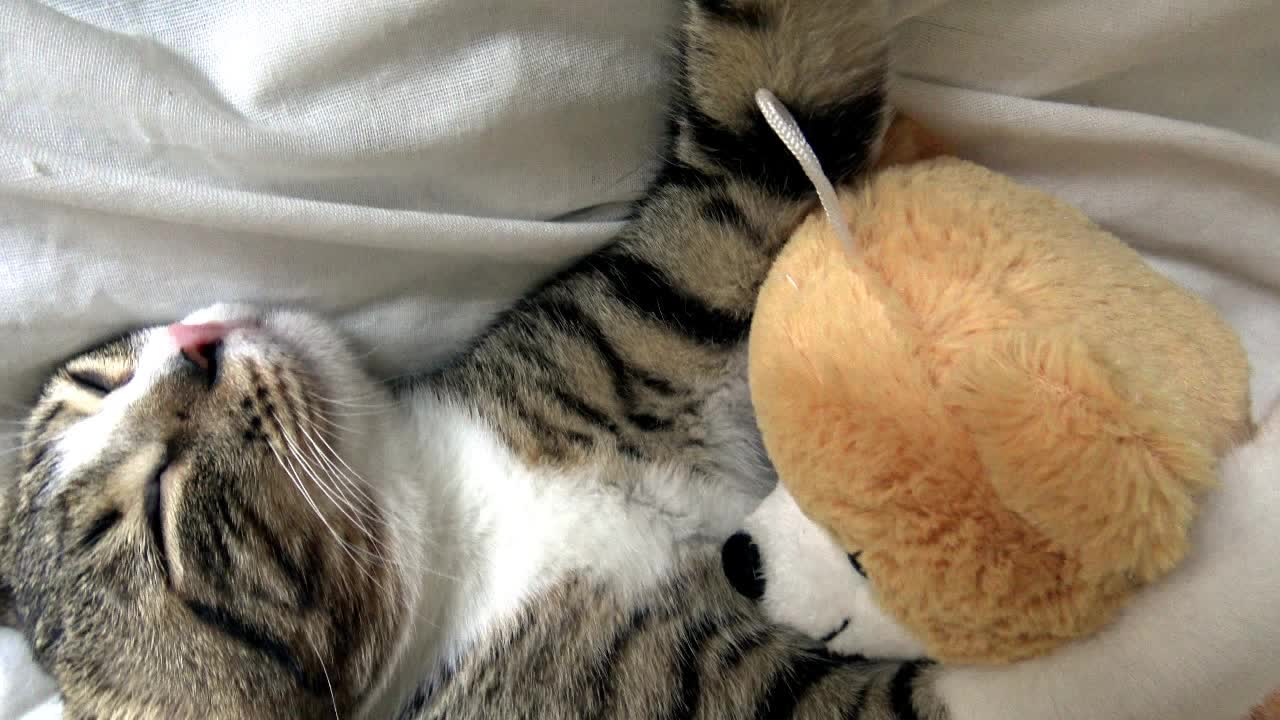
634, 349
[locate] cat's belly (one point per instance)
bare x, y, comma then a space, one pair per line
621, 525
493, 531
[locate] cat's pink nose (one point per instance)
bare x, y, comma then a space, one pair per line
200, 343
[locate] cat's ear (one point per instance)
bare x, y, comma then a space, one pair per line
8, 613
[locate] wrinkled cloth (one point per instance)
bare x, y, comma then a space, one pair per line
413, 165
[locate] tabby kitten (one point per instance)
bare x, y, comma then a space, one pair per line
227, 518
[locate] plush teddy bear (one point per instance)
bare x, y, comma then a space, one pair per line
1268, 710
991, 423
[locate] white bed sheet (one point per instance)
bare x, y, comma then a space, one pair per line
413, 165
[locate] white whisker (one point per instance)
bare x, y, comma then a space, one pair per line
351, 479
355, 485
297, 483
34, 443
353, 402
339, 411
336, 426
350, 550
328, 681
343, 504
361, 493
348, 476
354, 475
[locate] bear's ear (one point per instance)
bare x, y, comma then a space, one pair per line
740, 560
907, 141
779, 553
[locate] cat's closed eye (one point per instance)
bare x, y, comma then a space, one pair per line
153, 499
100, 527
98, 382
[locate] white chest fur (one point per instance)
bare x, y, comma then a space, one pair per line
477, 531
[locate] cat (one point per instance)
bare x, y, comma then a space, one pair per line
228, 518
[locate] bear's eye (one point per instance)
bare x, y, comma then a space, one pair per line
857, 566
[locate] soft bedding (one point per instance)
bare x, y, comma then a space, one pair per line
413, 165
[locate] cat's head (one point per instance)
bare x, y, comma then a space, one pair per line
191, 534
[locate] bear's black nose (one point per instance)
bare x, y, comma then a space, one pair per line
740, 559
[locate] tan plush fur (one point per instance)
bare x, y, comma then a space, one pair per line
906, 141
1269, 710
1001, 406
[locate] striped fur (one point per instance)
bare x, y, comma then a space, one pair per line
693, 648
630, 349
518, 516
178, 555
